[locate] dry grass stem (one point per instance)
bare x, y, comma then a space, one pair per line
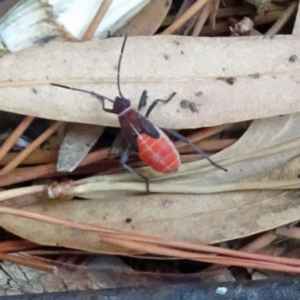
209, 145
293, 233
94, 157
277, 26
29, 173
37, 157
202, 134
27, 262
37, 142
184, 7
185, 17
254, 247
15, 135
205, 12
261, 242
97, 20
17, 246
267, 18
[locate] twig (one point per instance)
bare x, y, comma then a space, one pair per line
277, 26
184, 7
206, 11
185, 17
267, 18
15, 135
17, 246
29, 173
289, 232
37, 142
97, 20
28, 262
209, 145
255, 246
42, 171
261, 242
158, 250
94, 157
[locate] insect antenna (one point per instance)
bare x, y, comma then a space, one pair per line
119, 66
98, 96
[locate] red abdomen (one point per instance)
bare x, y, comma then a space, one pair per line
160, 154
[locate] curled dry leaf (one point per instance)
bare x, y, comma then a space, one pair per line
209, 218
153, 63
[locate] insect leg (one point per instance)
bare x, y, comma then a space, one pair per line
155, 102
124, 159
143, 100
185, 140
98, 96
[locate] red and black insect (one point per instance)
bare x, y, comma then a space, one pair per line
150, 142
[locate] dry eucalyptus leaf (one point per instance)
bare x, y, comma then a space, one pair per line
198, 219
264, 85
